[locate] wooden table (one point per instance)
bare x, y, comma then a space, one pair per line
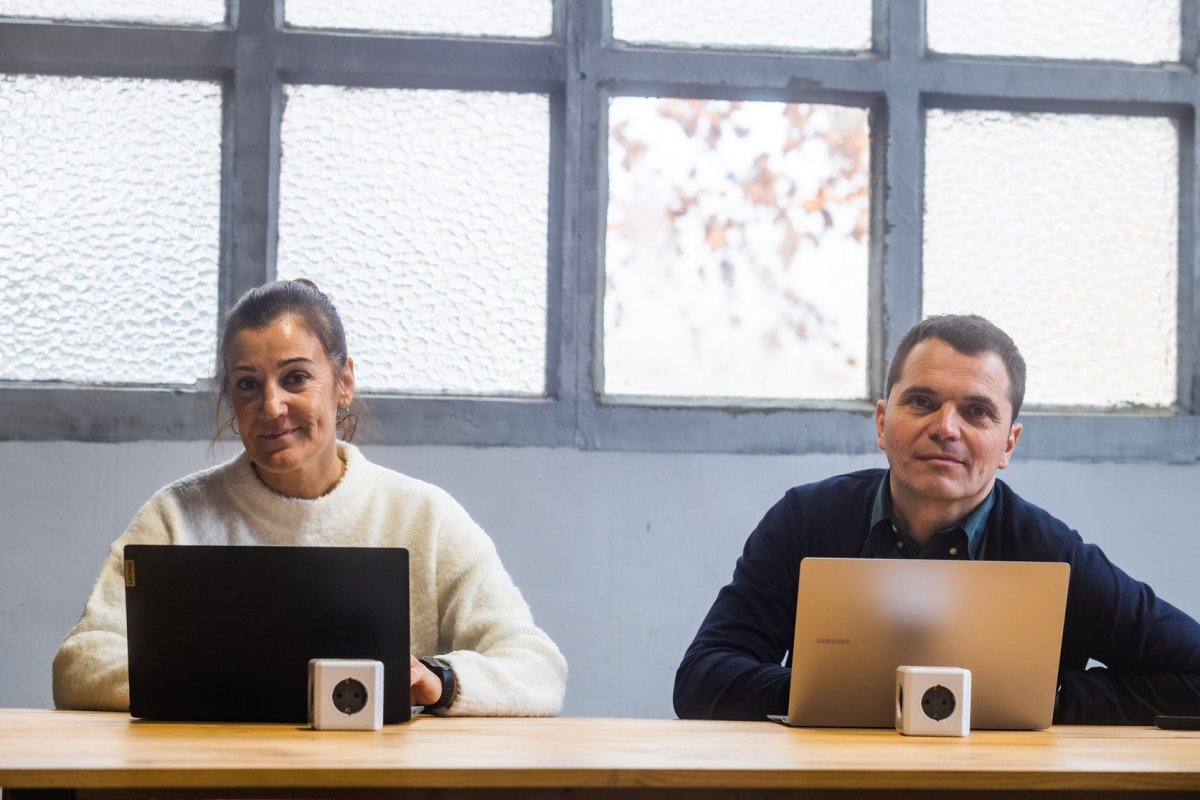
58, 754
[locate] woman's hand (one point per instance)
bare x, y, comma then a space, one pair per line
426, 687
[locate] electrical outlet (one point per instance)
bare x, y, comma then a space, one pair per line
345, 694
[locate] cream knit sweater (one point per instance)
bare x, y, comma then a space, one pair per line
464, 606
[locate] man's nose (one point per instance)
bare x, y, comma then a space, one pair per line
946, 423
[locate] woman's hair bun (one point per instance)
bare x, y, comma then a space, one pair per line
307, 283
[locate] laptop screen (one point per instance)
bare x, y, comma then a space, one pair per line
225, 633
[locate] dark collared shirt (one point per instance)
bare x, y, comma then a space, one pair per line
886, 539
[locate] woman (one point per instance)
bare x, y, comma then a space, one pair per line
284, 373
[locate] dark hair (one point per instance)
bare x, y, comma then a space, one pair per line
260, 307
968, 334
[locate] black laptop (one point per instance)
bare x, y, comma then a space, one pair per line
224, 634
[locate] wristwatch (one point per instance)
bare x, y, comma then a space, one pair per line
445, 672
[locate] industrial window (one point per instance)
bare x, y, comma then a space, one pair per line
612, 224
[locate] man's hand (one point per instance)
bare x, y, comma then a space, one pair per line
426, 687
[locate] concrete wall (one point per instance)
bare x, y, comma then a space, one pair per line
619, 554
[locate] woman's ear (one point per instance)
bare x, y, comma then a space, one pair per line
346, 384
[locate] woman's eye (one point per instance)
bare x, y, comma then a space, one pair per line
246, 384
297, 378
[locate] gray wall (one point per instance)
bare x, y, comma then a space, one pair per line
619, 554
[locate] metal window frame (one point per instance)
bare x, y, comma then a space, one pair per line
253, 55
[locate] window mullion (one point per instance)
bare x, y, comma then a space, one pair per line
897, 304
251, 151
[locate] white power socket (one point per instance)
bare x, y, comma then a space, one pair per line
345, 694
933, 701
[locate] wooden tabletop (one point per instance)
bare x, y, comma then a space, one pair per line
98, 751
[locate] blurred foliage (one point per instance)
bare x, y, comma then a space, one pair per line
740, 206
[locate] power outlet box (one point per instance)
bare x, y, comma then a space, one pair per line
345, 694
933, 701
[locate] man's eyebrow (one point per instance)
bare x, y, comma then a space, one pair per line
912, 390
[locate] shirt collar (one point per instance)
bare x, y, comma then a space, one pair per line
974, 524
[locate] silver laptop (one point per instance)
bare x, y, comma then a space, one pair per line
857, 620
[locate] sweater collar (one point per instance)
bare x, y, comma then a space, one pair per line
277, 518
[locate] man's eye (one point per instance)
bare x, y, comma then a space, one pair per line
979, 411
919, 402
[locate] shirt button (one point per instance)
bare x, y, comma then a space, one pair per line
899, 545
953, 551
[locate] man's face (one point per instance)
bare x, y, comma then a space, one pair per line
946, 427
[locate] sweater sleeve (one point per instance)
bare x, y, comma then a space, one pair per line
1149, 649
91, 667
504, 664
733, 668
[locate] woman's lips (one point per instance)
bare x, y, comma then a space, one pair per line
278, 434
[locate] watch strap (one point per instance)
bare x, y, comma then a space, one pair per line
445, 673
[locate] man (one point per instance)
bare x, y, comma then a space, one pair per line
947, 424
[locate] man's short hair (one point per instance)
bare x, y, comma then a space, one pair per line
969, 334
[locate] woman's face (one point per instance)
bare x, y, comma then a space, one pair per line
285, 399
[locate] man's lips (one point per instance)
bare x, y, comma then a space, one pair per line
940, 458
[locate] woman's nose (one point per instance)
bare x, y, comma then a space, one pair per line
272, 404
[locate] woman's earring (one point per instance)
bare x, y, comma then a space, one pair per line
347, 422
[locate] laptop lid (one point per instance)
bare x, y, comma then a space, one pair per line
225, 633
857, 620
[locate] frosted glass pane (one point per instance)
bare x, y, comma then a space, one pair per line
736, 255
157, 12
517, 18
787, 24
424, 215
1062, 230
109, 229
1139, 31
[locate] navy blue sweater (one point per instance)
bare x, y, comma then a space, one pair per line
1150, 649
